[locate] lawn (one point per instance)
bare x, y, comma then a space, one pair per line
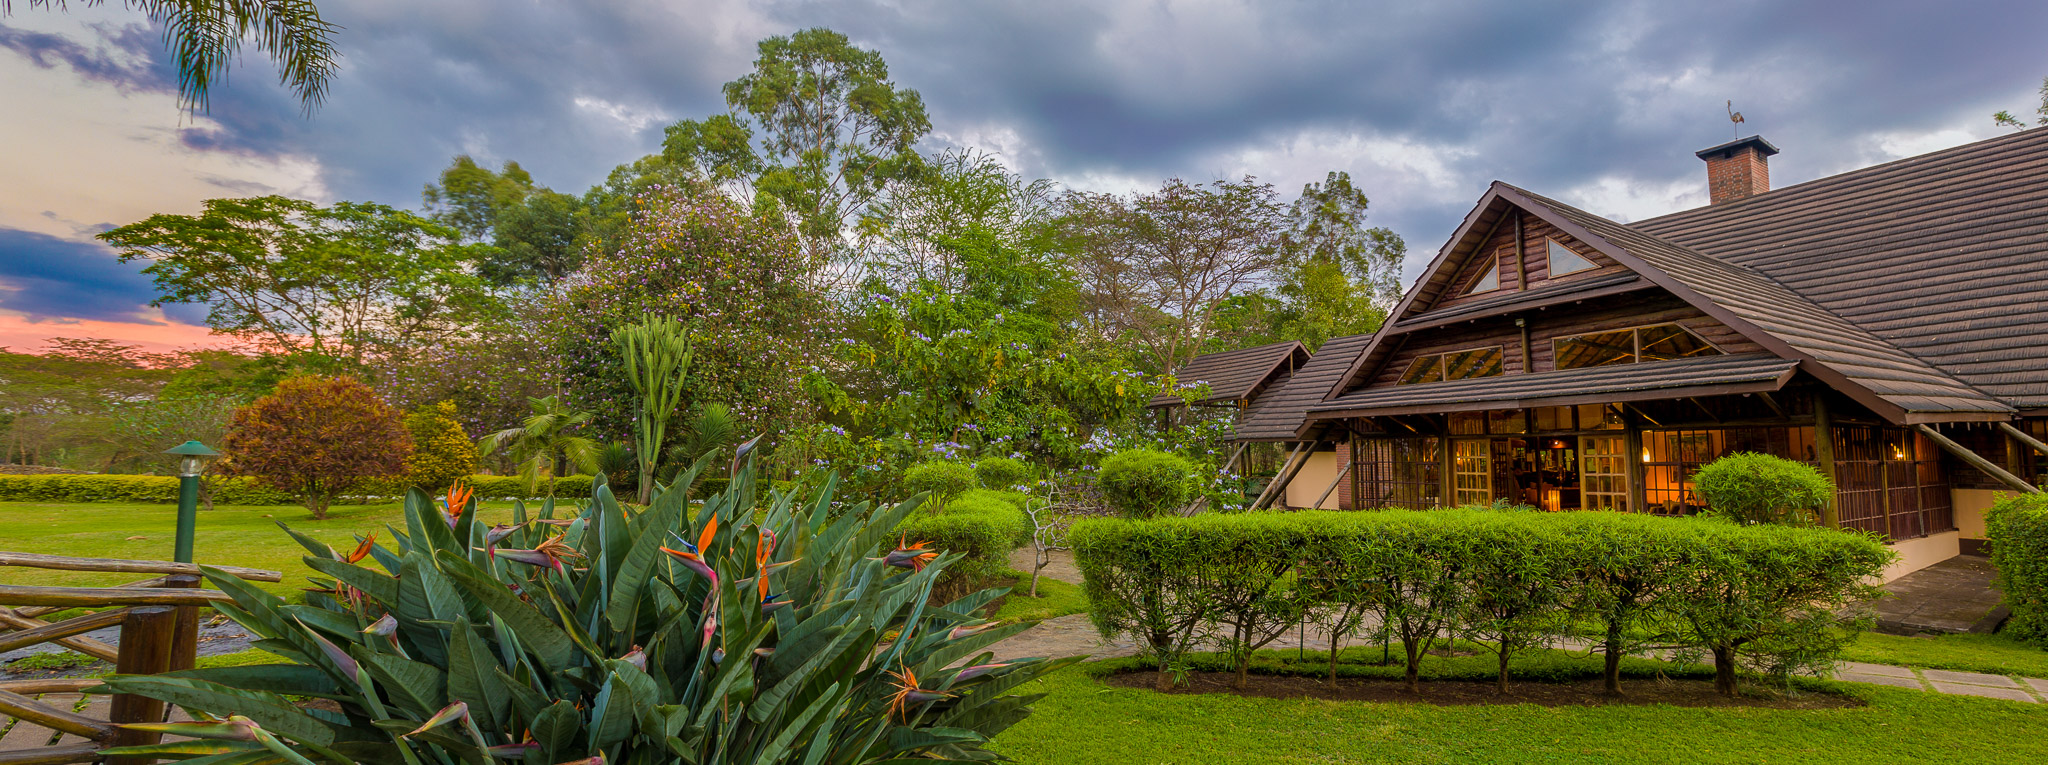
1083, 720
227, 535
1995, 654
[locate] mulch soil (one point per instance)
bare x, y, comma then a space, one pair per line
1590, 692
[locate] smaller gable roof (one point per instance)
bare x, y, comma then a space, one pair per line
1279, 413
1705, 376
1235, 375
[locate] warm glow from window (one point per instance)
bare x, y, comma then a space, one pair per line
1660, 342
1455, 365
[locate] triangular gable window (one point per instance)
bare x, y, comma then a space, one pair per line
1564, 261
1488, 281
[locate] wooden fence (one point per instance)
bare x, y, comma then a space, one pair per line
159, 621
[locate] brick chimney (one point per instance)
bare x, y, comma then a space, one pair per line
1738, 169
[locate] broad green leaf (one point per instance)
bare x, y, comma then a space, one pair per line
381, 588
473, 676
275, 713
540, 636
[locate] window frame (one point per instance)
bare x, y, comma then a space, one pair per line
1635, 335
1549, 262
1472, 284
1443, 369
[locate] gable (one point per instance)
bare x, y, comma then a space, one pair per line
1519, 253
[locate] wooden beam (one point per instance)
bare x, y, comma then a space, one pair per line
1268, 491
1279, 486
49, 685
31, 711
66, 563
64, 629
1233, 457
1333, 486
1824, 453
94, 597
147, 639
1772, 402
85, 645
1990, 468
2022, 437
1703, 408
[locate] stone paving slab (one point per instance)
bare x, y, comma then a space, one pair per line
1968, 678
2009, 694
1891, 680
1955, 595
2039, 686
1886, 670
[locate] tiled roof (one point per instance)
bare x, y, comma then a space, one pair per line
1807, 329
1940, 255
1279, 412
1234, 375
1707, 375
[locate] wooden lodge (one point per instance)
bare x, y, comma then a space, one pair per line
1886, 326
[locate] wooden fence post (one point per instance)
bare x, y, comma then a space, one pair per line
185, 642
147, 636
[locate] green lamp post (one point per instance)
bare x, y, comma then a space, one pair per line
192, 461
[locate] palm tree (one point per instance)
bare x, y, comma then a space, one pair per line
712, 428
544, 441
204, 36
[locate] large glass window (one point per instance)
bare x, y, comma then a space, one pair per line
1455, 365
1603, 472
1565, 261
1660, 342
1396, 472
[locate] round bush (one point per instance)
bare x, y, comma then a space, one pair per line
2018, 528
1759, 488
1144, 483
1001, 473
945, 480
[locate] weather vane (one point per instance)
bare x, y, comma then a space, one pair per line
1735, 118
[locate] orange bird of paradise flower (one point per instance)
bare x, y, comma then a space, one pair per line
363, 550
458, 498
908, 694
910, 556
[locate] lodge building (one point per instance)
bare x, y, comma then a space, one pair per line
1888, 326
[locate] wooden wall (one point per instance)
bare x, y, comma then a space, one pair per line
1535, 259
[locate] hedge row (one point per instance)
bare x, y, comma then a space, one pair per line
2018, 530
983, 524
1764, 598
158, 489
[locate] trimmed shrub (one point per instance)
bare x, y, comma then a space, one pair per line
1002, 473
1769, 599
317, 438
1754, 488
2018, 529
441, 452
1144, 483
944, 480
982, 525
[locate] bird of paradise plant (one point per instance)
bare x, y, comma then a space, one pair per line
630, 655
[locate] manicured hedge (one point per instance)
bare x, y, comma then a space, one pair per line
982, 524
159, 489
1764, 598
942, 480
1146, 483
2018, 529
1002, 473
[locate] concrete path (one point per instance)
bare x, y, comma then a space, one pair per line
1955, 595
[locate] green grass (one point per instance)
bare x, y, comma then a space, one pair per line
1084, 720
1055, 598
1995, 654
227, 535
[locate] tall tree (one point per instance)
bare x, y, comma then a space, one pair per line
815, 133
204, 37
915, 225
1157, 265
537, 231
339, 282
1340, 276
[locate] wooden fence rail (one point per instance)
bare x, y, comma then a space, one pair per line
159, 620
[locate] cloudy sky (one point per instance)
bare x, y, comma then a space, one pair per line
1596, 103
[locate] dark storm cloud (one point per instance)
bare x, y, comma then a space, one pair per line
53, 279
123, 58
1556, 97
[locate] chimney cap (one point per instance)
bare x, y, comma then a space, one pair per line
1762, 147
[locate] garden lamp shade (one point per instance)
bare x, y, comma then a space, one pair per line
194, 456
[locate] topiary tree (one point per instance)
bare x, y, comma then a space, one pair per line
945, 480
1002, 473
441, 452
1752, 488
317, 437
1145, 483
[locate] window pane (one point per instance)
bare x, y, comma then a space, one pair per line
1479, 362
1564, 261
1598, 417
1596, 350
1670, 341
1488, 281
1427, 369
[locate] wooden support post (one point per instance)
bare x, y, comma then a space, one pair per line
2023, 437
185, 641
1287, 474
1638, 495
146, 644
1234, 455
1447, 481
1261, 501
1824, 453
1346, 470
1989, 468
